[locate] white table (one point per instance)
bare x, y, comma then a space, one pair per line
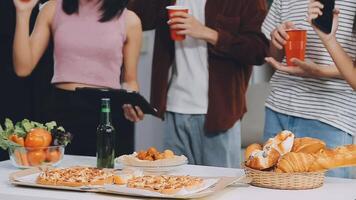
333, 189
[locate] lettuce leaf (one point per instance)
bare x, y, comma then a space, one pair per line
37, 125
26, 125
6, 143
20, 130
51, 125
9, 124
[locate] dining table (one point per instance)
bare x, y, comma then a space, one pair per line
333, 188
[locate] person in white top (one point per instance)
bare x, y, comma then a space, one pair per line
188, 91
187, 103
311, 99
199, 84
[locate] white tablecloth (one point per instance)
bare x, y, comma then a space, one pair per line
333, 189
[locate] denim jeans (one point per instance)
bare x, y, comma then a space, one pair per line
185, 134
276, 122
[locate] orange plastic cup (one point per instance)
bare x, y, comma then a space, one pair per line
171, 10
295, 46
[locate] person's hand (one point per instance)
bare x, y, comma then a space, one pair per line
188, 25
279, 35
302, 68
133, 114
314, 11
25, 5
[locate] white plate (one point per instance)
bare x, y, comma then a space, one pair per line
164, 165
156, 169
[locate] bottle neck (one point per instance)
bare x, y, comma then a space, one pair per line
105, 115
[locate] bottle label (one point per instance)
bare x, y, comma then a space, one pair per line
105, 110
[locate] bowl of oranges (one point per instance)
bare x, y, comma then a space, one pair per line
32, 144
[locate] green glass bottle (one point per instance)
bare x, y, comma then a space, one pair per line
105, 137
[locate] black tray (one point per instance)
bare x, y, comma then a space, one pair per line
121, 97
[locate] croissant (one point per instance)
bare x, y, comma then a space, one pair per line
344, 156
308, 145
325, 159
282, 142
295, 162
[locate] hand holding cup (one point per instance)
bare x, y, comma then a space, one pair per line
279, 35
176, 9
295, 45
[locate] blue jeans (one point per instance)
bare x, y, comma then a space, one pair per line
276, 122
186, 135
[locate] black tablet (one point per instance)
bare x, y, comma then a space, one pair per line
120, 96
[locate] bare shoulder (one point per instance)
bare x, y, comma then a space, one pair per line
48, 10
132, 20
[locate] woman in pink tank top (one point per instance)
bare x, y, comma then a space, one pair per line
96, 45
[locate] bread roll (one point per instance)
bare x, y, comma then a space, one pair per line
308, 145
251, 149
263, 159
282, 142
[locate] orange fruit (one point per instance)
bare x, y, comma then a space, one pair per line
53, 155
15, 138
36, 157
34, 141
38, 137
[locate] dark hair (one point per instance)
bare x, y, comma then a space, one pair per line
109, 8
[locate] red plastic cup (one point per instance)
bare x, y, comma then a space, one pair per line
171, 10
295, 46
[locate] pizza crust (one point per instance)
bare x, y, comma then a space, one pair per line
86, 176
166, 184
75, 177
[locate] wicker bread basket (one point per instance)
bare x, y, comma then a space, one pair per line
285, 181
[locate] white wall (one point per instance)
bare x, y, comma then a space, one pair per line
149, 132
